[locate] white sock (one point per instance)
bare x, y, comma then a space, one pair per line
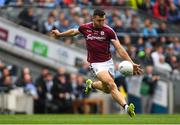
126, 107
90, 86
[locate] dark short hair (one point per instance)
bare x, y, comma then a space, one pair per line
98, 12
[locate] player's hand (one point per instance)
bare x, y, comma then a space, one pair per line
55, 33
137, 69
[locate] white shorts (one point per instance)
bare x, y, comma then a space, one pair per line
102, 66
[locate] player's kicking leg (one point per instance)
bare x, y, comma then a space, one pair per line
95, 85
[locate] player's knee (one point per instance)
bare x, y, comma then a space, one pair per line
106, 90
111, 86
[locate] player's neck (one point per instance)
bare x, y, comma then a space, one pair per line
95, 27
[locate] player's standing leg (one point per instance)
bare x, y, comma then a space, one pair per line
107, 84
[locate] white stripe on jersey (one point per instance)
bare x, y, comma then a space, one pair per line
85, 24
112, 30
89, 23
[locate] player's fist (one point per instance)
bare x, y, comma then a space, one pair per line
55, 33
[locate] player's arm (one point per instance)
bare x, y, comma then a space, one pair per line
70, 32
123, 53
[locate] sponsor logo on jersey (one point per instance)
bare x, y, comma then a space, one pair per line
90, 37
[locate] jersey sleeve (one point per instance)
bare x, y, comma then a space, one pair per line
112, 35
81, 29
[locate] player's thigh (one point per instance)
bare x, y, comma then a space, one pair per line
106, 79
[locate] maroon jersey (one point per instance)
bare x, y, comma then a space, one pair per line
98, 42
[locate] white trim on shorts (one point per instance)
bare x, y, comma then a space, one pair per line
103, 66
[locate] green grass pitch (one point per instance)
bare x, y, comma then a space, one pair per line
89, 119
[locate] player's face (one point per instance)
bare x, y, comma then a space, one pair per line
98, 21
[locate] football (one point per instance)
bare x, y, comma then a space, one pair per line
125, 68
